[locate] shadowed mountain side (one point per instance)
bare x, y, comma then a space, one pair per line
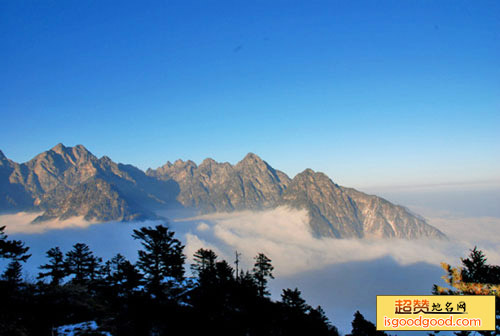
12, 196
95, 200
71, 181
252, 184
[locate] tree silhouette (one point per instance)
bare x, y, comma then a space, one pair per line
261, 271
475, 278
56, 266
12, 249
204, 260
363, 327
162, 259
292, 299
477, 270
16, 252
82, 263
121, 275
152, 298
13, 273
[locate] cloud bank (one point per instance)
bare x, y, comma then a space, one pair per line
340, 275
21, 222
283, 235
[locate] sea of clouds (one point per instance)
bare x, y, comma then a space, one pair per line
341, 275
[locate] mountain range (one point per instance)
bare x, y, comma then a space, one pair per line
64, 182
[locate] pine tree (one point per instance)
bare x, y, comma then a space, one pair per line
12, 249
475, 267
16, 252
56, 266
82, 263
224, 272
13, 272
120, 274
204, 260
292, 299
363, 327
162, 259
261, 271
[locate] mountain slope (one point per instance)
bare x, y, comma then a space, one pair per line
70, 181
252, 184
341, 212
97, 200
13, 197
212, 186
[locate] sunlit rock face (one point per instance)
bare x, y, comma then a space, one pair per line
250, 184
70, 181
67, 182
334, 211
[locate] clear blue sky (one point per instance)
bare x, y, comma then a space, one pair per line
370, 92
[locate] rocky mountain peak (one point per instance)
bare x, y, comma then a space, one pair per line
106, 160
59, 148
181, 164
208, 162
310, 176
251, 159
70, 181
4, 161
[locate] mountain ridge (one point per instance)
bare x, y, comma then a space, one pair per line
71, 181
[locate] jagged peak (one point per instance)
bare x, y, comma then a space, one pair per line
208, 162
81, 148
308, 171
311, 174
251, 157
106, 159
182, 163
59, 148
2, 156
254, 160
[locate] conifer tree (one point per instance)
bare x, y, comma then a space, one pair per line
16, 252
13, 272
56, 267
262, 270
204, 259
363, 327
162, 259
292, 299
120, 274
82, 263
12, 249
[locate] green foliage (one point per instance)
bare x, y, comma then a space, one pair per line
476, 277
475, 269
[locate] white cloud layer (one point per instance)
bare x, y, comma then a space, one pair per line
21, 222
283, 235
341, 275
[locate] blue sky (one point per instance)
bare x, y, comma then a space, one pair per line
369, 92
